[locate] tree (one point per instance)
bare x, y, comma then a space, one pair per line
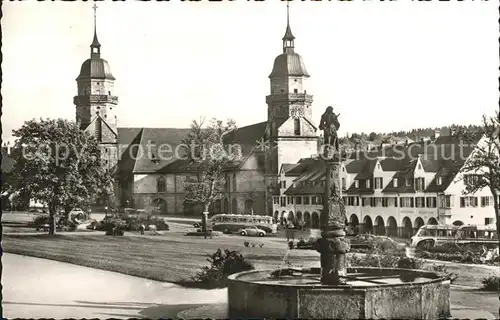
373, 136
207, 157
484, 163
59, 165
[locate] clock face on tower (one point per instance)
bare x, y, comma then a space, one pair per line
296, 112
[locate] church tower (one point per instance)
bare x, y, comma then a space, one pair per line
96, 103
289, 123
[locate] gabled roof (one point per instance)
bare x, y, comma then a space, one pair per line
366, 171
165, 147
167, 152
285, 167
443, 160
390, 164
447, 174
304, 165
247, 138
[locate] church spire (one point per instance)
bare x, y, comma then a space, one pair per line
288, 37
95, 47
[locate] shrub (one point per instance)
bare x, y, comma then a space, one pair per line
385, 261
41, 220
246, 244
409, 263
134, 223
491, 283
222, 265
442, 269
290, 244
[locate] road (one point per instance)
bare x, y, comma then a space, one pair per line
39, 288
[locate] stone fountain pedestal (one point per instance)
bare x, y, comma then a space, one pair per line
369, 293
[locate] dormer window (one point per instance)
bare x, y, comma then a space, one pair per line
439, 181
408, 182
368, 183
378, 166
419, 166
356, 184
395, 182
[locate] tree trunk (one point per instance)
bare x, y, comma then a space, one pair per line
52, 220
496, 205
204, 219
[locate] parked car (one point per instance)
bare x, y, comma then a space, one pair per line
92, 225
252, 231
76, 211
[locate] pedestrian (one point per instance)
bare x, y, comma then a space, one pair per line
142, 227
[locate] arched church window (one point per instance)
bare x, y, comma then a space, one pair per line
296, 126
234, 182
160, 185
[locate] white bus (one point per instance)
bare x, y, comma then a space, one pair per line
229, 223
431, 235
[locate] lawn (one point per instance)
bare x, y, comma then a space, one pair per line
174, 257
156, 258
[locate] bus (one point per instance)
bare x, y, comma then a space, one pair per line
229, 223
430, 235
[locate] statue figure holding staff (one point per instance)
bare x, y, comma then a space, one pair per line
330, 124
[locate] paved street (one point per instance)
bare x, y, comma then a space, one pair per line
39, 288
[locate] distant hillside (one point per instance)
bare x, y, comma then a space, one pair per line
363, 139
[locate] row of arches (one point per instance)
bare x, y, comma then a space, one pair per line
311, 220
390, 227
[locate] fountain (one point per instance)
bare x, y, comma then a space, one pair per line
334, 290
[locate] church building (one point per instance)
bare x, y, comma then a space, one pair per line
146, 181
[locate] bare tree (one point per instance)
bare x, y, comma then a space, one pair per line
207, 157
483, 165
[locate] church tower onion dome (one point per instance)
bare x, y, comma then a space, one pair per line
288, 63
95, 68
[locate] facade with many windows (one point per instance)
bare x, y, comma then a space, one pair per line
392, 191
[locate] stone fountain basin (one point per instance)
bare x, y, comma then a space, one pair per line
396, 294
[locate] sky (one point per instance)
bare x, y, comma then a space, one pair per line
384, 66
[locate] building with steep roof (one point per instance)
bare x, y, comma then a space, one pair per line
149, 181
391, 191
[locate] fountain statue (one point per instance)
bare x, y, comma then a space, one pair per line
336, 290
332, 245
